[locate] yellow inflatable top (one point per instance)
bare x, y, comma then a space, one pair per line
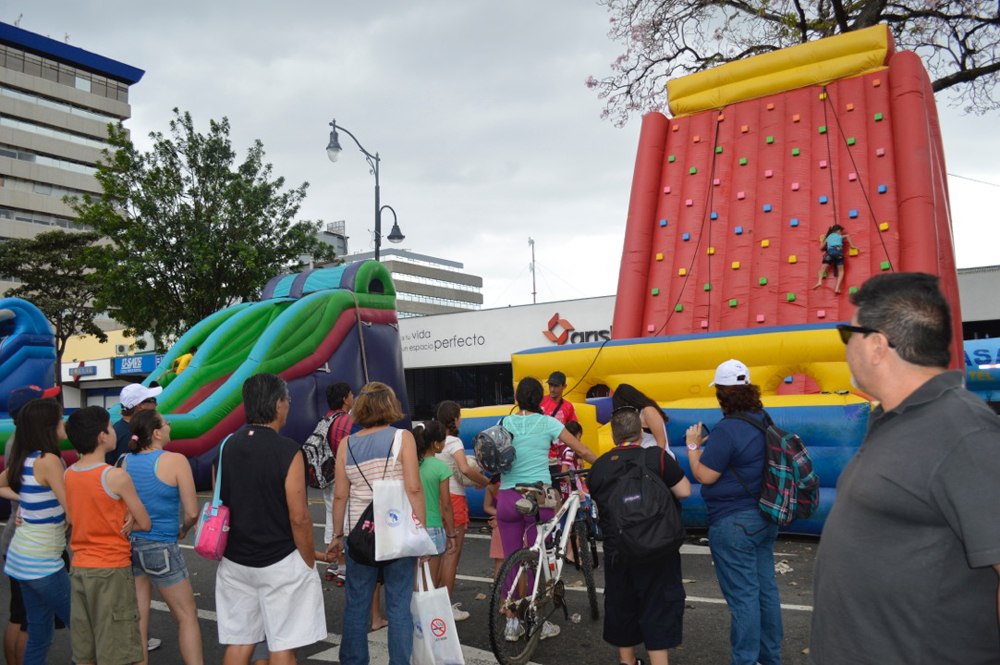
791, 68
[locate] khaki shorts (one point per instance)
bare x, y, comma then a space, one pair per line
104, 616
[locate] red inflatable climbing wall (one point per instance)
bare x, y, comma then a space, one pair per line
728, 205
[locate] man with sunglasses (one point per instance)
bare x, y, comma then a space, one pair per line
907, 566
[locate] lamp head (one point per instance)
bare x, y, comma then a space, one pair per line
333, 148
395, 235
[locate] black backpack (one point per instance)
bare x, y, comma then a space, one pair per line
643, 513
321, 463
789, 489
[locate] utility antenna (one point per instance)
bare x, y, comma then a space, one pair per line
17, 23
534, 291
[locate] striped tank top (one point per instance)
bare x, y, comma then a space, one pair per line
162, 501
37, 547
367, 455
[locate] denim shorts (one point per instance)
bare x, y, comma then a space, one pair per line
161, 562
438, 536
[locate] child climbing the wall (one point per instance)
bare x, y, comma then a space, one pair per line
832, 245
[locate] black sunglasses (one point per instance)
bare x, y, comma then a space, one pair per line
150, 400
846, 332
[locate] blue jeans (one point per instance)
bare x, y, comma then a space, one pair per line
358, 608
44, 598
742, 545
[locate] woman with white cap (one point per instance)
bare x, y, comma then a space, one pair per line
730, 469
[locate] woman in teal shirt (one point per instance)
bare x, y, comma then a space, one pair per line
533, 434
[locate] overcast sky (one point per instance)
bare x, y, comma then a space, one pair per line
487, 133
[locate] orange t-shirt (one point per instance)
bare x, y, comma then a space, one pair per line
97, 515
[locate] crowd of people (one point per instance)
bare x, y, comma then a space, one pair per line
903, 571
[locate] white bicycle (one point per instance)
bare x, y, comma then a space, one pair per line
533, 575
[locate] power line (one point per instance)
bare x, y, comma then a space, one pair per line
981, 182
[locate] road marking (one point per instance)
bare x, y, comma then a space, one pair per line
693, 599
378, 647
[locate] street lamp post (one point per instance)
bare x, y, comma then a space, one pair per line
333, 151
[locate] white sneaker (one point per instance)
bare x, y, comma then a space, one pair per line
153, 643
514, 630
550, 630
460, 615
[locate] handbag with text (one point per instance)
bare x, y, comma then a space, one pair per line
213, 524
435, 638
398, 533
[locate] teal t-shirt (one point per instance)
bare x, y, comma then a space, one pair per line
432, 472
533, 434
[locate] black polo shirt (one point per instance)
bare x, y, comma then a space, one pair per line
904, 570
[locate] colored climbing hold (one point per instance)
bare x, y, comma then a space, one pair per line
722, 116
851, 141
853, 289
854, 251
711, 251
656, 292
882, 189
681, 272
666, 190
675, 128
885, 265
796, 152
875, 84
679, 308
884, 226
765, 243
796, 117
686, 237
732, 302
741, 195
822, 96
769, 139
768, 173
823, 200
821, 314
714, 215
760, 318
716, 182
745, 128
880, 152
697, 139
878, 117
852, 176
672, 159
850, 107
790, 297
793, 259
704, 323
736, 265
718, 150
650, 328
659, 256
708, 287
762, 281
794, 221
743, 161
767, 207
795, 186
822, 129
853, 214
688, 203
663, 222
770, 107
823, 163
693, 170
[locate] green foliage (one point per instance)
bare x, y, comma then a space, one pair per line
57, 271
191, 231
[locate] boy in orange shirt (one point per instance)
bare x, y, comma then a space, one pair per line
100, 499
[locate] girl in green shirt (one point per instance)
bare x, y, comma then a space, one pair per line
434, 475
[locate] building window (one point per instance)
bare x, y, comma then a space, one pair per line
82, 84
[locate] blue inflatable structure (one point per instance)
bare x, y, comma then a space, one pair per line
27, 349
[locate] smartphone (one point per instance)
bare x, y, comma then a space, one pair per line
704, 430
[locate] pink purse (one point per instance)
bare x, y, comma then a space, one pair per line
213, 524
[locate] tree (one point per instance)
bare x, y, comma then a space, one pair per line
959, 41
57, 273
191, 232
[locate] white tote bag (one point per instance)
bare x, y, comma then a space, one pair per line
435, 638
398, 534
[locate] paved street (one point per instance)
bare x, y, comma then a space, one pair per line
706, 621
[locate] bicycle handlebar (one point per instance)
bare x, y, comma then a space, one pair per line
574, 472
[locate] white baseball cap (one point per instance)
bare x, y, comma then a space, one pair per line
731, 373
135, 393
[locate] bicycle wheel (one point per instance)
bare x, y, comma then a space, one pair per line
516, 646
586, 562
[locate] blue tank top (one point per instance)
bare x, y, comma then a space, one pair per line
162, 501
835, 240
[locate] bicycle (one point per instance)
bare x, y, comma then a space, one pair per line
540, 567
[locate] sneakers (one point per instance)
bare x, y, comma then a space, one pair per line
514, 630
549, 630
460, 615
638, 661
153, 643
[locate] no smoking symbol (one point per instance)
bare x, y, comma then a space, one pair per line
438, 627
